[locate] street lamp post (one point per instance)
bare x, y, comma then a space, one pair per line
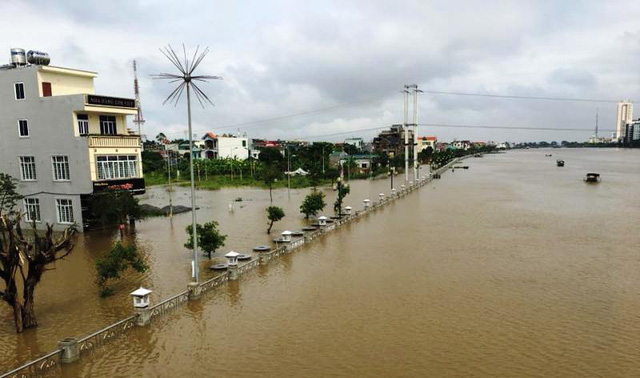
339, 185
289, 172
186, 78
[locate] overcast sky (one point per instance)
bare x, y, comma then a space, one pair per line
344, 63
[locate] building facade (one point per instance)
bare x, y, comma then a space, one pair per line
356, 142
225, 147
624, 116
426, 142
391, 141
64, 143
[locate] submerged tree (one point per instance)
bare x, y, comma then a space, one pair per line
112, 206
274, 214
23, 261
209, 237
269, 174
119, 259
343, 190
312, 204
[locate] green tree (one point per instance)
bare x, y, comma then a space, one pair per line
152, 161
8, 194
312, 204
209, 237
274, 214
112, 206
269, 174
24, 260
119, 259
343, 190
270, 156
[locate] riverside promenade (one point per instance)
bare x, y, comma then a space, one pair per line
72, 348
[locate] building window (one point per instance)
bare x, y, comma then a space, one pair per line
64, 209
108, 125
117, 167
60, 168
31, 208
244, 143
19, 91
23, 128
28, 168
83, 124
46, 89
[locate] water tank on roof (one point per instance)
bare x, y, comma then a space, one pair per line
38, 57
18, 57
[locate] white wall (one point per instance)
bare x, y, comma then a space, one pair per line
233, 147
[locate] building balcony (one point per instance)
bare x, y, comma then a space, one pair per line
113, 141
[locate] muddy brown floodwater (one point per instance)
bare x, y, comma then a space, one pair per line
514, 267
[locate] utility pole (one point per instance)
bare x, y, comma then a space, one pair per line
416, 172
405, 129
169, 177
323, 161
288, 172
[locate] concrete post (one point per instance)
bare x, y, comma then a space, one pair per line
233, 272
144, 316
194, 290
263, 259
70, 350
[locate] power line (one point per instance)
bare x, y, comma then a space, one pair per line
250, 124
522, 97
288, 116
453, 126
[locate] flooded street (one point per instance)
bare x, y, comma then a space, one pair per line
514, 267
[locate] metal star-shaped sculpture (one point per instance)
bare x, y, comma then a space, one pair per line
186, 77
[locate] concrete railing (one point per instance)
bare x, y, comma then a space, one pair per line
114, 141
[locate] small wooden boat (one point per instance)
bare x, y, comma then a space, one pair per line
592, 177
560, 163
262, 248
219, 267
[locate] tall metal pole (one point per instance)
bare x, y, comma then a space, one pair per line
194, 234
405, 128
323, 161
288, 172
169, 177
415, 134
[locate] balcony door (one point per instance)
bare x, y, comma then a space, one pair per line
108, 125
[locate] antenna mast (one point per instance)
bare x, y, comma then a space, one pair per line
138, 119
597, 122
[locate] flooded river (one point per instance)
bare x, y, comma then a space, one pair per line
514, 267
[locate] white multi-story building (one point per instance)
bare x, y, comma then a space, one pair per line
624, 116
356, 142
225, 147
62, 142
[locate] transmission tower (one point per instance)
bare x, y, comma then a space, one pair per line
138, 119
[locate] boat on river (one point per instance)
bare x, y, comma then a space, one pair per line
592, 177
560, 163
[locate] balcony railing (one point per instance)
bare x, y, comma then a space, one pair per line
114, 141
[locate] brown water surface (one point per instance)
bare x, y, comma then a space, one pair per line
514, 267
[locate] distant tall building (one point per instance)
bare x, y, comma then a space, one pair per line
625, 115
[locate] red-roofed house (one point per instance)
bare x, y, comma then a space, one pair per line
427, 141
